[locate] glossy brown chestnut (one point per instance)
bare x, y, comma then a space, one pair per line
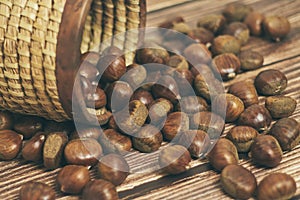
202, 35
276, 186
286, 131
276, 27
191, 105
152, 55
227, 64
99, 189
176, 123
270, 82
53, 149
280, 106
246, 91
53, 126
151, 79
114, 142
223, 153
33, 149
225, 44
89, 71
169, 22
266, 151
238, 182
28, 126
197, 53
184, 79
196, 141
238, 30
135, 75
6, 120
131, 119
71, 179
111, 67
209, 122
236, 11
242, 137
148, 139
254, 22
212, 22
178, 62
256, 116
250, 60
166, 87
96, 99
113, 168
233, 106
10, 144
159, 109
142, 95
91, 57
85, 151
174, 159
36, 191
118, 95
114, 51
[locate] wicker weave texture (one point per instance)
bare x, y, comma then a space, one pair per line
28, 39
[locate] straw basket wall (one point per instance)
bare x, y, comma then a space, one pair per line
41, 43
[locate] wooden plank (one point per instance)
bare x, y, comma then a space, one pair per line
155, 5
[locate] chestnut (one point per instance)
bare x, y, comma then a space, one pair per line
91, 57
166, 87
223, 153
155, 54
178, 62
238, 30
118, 95
209, 122
286, 131
266, 151
184, 79
113, 168
227, 65
246, 91
53, 149
28, 126
159, 109
250, 60
191, 105
196, 141
197, 53
131, 119
36, 191
148, 139
174, 159
10, 144
276, 186
254, 22
202, 35
99, 189
176, 122
238, 182
89, 71
280, 106
270, 82
111, 67
234, 106
86, 132
212, 22
96, 99
225, 44
276, 27
33, 149
85, 151
135, 75
256, 116
242, 137
142, 95
71, 179
171, 21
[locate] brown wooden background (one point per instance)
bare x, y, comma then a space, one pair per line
200, 182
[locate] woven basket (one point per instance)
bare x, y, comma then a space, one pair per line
41, 43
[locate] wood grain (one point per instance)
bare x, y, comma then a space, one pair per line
200, 182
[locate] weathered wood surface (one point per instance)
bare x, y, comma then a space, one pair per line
200, 182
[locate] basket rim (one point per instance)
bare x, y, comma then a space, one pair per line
68, 48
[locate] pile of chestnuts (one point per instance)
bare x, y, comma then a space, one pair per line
145, 103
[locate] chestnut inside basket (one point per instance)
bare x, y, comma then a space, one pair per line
41, 43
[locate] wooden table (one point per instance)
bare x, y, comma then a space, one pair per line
200, 182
